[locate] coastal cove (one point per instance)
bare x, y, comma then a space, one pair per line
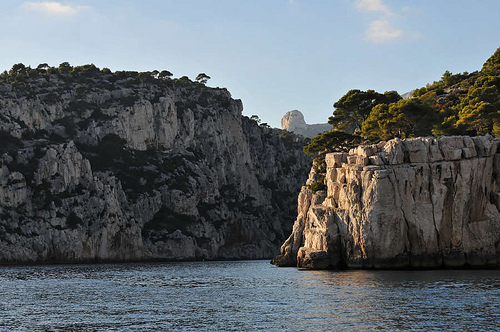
272, 166
244, 295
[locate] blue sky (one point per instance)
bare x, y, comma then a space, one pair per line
275, 55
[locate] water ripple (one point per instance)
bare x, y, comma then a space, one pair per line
247, 295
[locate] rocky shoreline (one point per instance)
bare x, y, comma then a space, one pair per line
402, 204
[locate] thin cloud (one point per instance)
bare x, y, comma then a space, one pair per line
381, 31
373, 6
53, 8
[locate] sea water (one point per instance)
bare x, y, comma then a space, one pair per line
244, 296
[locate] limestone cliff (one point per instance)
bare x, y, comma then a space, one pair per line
294, 121
98, 166
414, 203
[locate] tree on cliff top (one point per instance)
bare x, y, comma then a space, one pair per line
202, 78
165, 74
405, 118
255, 118
17, 69
332, 141
355, 107
65, 68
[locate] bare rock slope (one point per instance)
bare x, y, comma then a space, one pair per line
414, 203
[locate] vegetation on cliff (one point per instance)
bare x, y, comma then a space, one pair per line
457, 104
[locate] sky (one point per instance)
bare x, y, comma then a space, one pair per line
274, 55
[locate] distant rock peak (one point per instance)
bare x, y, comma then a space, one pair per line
294, 121
407, 95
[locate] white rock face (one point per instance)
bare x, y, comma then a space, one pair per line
294, 121
414, 203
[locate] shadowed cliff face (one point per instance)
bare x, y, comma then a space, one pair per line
415, 203
111, 168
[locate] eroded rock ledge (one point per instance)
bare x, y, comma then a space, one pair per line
414, 203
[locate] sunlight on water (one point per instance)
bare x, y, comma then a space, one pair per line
245, 295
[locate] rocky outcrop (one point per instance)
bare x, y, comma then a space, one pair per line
414, 203
407, 95
113, 167
293, 121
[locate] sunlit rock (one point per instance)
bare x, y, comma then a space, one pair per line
418, 203
294, 121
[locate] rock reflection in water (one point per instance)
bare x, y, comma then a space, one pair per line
420, 300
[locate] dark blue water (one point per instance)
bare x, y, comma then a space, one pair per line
243, 296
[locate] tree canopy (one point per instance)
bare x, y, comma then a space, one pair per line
457, 104
332, 141
480, 109
164, 74
492, 65
202, 78
65, 68
404, 118
19, 73
355, 107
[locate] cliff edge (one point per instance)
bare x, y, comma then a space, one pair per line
413, 203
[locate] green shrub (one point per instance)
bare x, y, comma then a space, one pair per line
317, 185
